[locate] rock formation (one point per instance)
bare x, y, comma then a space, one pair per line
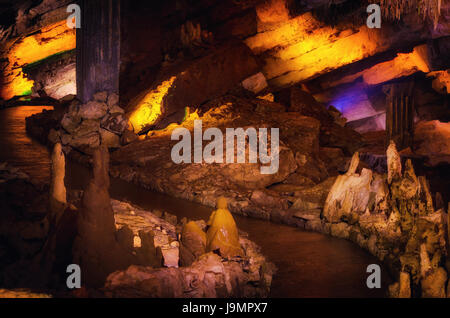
96, 248
222, 235
58, 200
379, 212
201, 274
86, 126
193, 243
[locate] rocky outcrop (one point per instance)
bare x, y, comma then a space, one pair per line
190, 83
53, 77
201, 274
193, 243
86, 126
149, 163
208, 277
52, 39
394, 218
433, 141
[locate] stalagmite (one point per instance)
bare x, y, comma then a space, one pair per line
58, 200
405, 286
349, 195
223, 234
394, 163
193, 240
96, 248
353, 164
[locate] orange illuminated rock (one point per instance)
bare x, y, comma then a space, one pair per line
190, 83
223, 234
50, 40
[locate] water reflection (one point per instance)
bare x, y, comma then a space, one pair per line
20, 150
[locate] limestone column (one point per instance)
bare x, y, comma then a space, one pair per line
98, 48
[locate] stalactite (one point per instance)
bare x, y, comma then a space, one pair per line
427, 9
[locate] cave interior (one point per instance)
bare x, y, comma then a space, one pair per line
362, 114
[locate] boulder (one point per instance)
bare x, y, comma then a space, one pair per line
255, 83
305, 104
101, 97
70, 123
334, 135
349, 196
193, 239
115, 122
113, 100
93, 110
86, 135
313, 197
109, 139
433, 284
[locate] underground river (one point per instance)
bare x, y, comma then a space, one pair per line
309, 264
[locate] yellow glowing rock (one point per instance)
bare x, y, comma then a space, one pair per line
149, 108
223, 234
50, 40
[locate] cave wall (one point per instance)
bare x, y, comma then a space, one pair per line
327, 49
54, 77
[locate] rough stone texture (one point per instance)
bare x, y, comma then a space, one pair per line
58, 200
53, 77
433, 140
93, 110
193, 240
96, 248
21, 293
387, 212
152, 166
191, 84
84, 126
433, 284
23, 224
405, 286
394, 163
98, 53
349, 196
209, 277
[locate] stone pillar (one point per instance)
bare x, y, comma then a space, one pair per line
400, 114
98, 48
